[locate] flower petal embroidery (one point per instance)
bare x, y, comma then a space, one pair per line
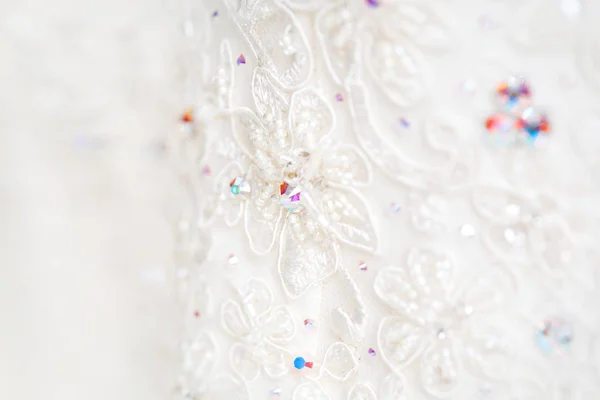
339, 362
336, 31
267, 96
399, 69
277, 40
394, 288
199, 359
348, 312
256, 298
310, 118
401, 341
233, 320
393, 388
273, 359
431, 271
279, 325
248, 131
362, 391
263, 214
440, 367
350, 218
245, 362
346, 165
307, 255
310, 390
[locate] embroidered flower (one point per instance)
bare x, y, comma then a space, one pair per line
301, 186
529, 231
437, 328
258, 328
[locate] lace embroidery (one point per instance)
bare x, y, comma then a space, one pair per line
433, 325
289, 146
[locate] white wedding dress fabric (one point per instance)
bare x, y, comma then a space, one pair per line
325, 215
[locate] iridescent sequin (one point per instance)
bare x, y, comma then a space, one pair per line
241, 59
290, 196
372, 352
239, 185
533, 123
339, 98
554, 335
373, 3
363, 266
514, 93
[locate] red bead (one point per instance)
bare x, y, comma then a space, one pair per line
283, 187
188, 116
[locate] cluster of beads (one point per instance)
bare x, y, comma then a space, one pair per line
518, 119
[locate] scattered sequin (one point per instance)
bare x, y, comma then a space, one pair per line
300, 363
395, 208
441, 334
373, 3
275, 392
339, 97
363, 266
187, 116
467, 230
241, 59
554, 335
290, 196
514, 93
372, 352
533, 122
239, 185
309, 322
196, 313
215, 13
403, 122
499, 124
233, 260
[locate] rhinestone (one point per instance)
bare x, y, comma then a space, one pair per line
239, 185
500, 123
514, 93
395, 208
290, 196
554, 335
372, 352
187, 116
233, 260
533, 122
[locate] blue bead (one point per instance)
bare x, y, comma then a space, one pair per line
299, 363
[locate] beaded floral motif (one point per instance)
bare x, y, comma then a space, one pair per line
259, 329
302, 184
437, 328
